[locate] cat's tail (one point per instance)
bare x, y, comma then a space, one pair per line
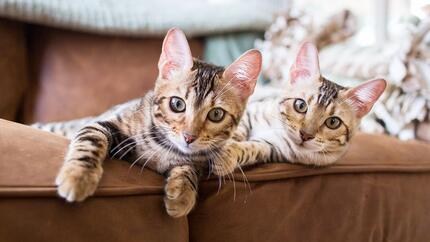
66, 129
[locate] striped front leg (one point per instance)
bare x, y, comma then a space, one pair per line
243, 153
82, 168
181, 190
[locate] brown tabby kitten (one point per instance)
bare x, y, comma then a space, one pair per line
176, 129
310, 122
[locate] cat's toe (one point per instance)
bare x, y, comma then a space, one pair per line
182, 205
174, 187
75, 183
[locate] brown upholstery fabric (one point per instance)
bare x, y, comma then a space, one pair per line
128, 206
377, 192
13, 68
77, 74
343, 207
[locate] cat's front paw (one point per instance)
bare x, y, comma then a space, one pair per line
180, 195
75, 183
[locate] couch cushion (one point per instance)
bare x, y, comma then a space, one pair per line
13, 68
128, 206
378, 192
86, 74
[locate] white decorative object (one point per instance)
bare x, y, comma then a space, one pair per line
286, 33
146, 17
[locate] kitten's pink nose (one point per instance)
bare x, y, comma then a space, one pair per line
305, 136
189, 138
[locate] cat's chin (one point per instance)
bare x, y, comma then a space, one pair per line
318, 158
186, 150
310, 153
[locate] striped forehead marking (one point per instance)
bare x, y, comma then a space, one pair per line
328, 91
204, 81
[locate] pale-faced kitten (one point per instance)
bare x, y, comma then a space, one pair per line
194, 108
310, 122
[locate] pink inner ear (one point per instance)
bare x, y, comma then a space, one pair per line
364, 96
297, 74
243, 73
306, 66
175, 54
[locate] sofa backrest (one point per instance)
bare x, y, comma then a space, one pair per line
57, 74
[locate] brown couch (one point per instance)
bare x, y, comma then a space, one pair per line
378, 192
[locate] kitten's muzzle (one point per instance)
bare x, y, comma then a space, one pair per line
305, 136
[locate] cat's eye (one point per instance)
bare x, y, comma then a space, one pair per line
216, 115
333, 122
177, 104
300, 106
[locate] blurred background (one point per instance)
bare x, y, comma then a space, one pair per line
63, 60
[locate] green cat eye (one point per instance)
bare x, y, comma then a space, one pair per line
216, 115
177, 104
333, 122
300, 106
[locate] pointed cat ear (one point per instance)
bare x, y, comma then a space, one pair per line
306, 67
175, 54
243, 72
363, 96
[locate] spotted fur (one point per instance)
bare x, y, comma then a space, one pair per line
204, 82
328, 91
149, 132
272, 130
